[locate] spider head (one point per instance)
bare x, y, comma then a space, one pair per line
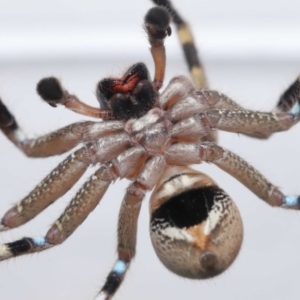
130, 96
196, 229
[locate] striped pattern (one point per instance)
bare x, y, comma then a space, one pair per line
188, 45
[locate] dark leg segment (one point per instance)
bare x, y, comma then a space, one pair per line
23, 246
289, 101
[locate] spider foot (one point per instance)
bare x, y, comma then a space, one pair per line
23, 246
113, 280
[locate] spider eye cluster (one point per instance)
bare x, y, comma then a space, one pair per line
195, 227
130, 96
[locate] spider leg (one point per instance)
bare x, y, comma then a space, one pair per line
290, 99
62, 178
230, 117
254, 123
183, 153
57, 142
190, 53
188, 45
157, 22
52, 187
127, 224
234, 118
76, 212
51, 90
253, 180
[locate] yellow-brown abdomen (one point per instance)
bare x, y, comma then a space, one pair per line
196, 228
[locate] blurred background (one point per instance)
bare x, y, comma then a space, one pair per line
251, 53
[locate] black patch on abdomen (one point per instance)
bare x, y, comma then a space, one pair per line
188, 208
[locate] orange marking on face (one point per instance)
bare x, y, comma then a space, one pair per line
125, 85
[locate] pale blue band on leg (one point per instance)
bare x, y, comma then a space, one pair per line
39, 241
120, 267
291, 201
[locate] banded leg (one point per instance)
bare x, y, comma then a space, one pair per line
127, 223
55, 185
190, 53
187, 41
76, 212
127, 233
57, 142
233, 165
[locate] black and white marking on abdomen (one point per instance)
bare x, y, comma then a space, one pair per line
189, 208
196, 229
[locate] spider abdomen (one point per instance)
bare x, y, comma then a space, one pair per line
196, 228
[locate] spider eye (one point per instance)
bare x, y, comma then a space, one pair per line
196, 229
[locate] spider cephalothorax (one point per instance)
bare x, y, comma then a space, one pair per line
151, 138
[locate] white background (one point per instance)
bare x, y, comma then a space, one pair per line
71, 28
251, 51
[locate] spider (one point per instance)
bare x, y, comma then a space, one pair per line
156, 125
